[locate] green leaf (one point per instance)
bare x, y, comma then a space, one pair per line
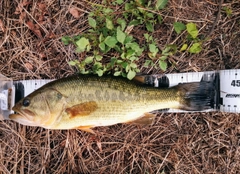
102, 46
120, 35
137, 70
66, 40
150, 55
131, 74
173, 48
170, 49
134, 46
92, 22
124, 74
118, 73
123, 56
149, 26
88, 59
146, 36
166, 50
107, 49
134, 22
192, 29
129, 6
148, 63
149, 3
98, 57
122, 22
161, 4
105, 31
130, 53
150, 15
113, 61
119, 1
127, 68
133, 58
124, 65
195, 48
163, 57
107, 10
73, 62
184, 47
119, 61
160, 19
88, 47
110, 41
82, 44
109, 24
179, 27
101, 37
97, 65
128, 39
83, 71
99, 72
76, 38
78, 50
141, 2
153, 48
163, 65
133, 65
118, 49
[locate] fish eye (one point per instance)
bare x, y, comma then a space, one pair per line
26, 102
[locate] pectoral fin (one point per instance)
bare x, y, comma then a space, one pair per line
86, 129
82, 109
146, 119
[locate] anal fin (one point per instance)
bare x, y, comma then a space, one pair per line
146, 119
86, 129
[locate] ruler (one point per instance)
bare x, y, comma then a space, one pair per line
227, 88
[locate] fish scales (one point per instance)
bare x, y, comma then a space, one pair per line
117, 99
82, 101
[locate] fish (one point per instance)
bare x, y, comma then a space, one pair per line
87, 101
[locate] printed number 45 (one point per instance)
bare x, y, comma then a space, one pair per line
235, 83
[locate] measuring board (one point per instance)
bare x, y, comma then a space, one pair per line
226, 88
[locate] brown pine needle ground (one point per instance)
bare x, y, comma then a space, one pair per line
31, 48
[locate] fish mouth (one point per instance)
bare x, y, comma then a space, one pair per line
24, 117
16, 116
22, 120
22, 113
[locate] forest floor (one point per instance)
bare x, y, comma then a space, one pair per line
31, 48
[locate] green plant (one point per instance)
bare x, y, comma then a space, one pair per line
155, 54
228, 11
108, 35
195, 45
142, 13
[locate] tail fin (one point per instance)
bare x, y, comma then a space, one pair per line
197, 96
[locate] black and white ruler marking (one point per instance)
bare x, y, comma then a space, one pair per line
226, 84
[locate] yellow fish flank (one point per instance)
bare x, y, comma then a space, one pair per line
84, 102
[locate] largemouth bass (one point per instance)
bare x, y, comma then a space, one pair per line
83, 102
